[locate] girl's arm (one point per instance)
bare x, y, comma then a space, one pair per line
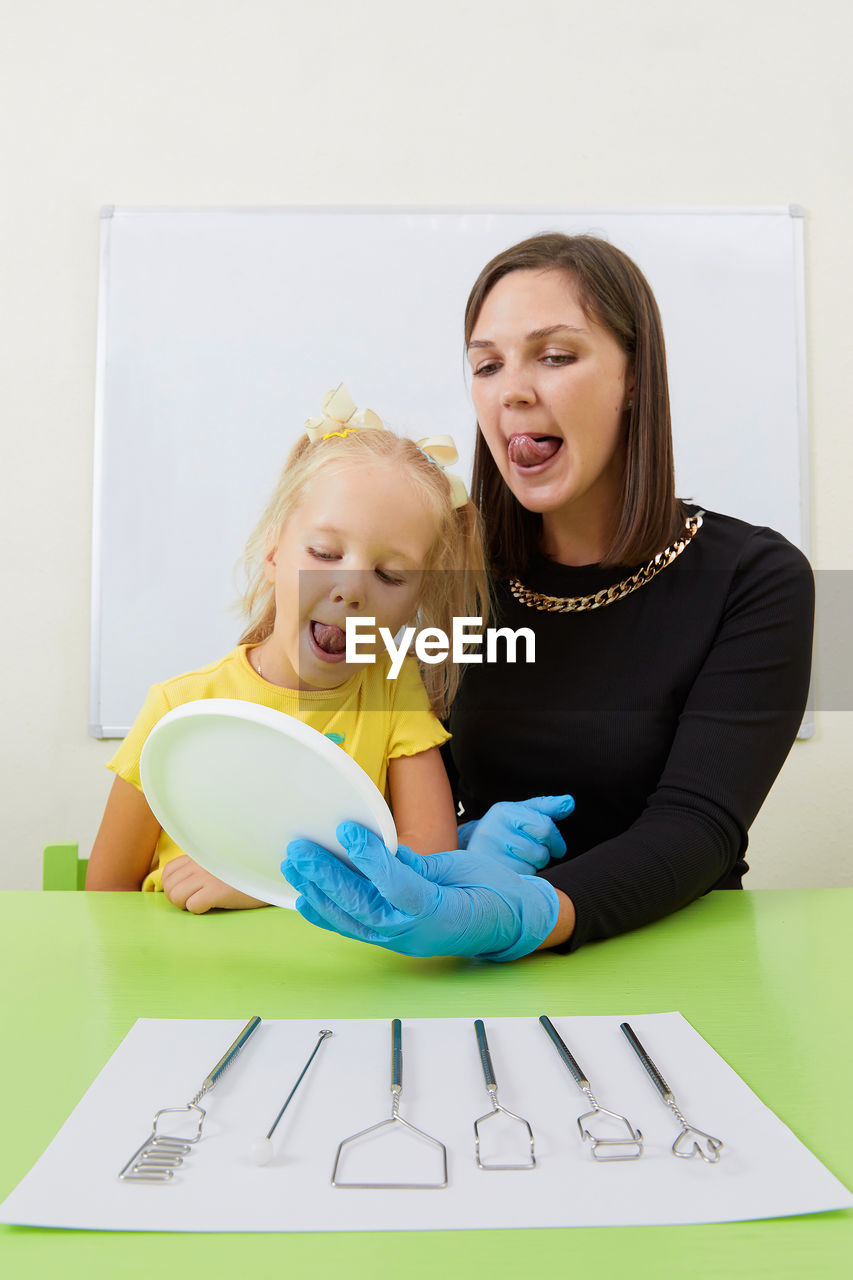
421, 802
124, 846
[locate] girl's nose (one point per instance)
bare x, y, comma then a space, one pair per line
349, 589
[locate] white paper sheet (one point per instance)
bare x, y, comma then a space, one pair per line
764, 1170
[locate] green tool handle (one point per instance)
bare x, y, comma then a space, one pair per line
655, 1076
485, 1055
564, 1052
396, 1055
228, 1057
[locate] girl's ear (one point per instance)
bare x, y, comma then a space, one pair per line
270, 556
419, 598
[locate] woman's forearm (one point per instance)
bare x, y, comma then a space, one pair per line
565, 926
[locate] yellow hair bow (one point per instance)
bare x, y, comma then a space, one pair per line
340, 415
443, 452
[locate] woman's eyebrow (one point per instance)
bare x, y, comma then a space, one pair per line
535, 335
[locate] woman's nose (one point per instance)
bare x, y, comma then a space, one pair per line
517, 388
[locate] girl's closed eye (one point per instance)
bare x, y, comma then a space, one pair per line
321, 553
391, 578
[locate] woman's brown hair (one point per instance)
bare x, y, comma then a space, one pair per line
615, 293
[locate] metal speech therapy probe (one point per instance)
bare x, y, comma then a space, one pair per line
162, 1153
497, 1109
689, 1133
394, 1119
261, 1150
618, 1148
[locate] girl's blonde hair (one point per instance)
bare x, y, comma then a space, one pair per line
454, 582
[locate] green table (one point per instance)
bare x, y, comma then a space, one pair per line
763, 976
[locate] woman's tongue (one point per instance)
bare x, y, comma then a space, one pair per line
528, 451
330, 639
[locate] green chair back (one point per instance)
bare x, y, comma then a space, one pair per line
61, 868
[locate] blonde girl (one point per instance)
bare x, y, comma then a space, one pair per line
362, 524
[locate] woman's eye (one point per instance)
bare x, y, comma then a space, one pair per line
392, 579
486, 369
559, 357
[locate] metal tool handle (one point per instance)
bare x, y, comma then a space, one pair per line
656, 1077
228, 1057
396, 1056
485, 1056
564, 1052
324, 1035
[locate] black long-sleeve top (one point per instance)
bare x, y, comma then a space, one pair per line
667, 715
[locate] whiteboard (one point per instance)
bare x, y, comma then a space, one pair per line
220, 330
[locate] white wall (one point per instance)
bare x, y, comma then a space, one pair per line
240, 102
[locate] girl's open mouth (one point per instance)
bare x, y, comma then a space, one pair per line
328, 641
527, 451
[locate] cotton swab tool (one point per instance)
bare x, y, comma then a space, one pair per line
261, 1151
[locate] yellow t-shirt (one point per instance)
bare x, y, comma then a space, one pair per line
377, 719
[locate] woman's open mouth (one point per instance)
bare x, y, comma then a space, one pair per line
328, 641
528, 452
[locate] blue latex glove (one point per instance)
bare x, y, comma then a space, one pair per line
519, 836
447, 904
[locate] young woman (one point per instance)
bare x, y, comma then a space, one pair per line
673, 645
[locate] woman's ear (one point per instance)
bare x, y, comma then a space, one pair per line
628, 391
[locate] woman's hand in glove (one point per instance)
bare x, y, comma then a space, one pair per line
459, 903
521, 836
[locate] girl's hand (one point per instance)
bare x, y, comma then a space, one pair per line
193, 889
519, 836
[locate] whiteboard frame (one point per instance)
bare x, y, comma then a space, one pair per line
96, 729
795, 212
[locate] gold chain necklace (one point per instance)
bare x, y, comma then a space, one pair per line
609, 595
